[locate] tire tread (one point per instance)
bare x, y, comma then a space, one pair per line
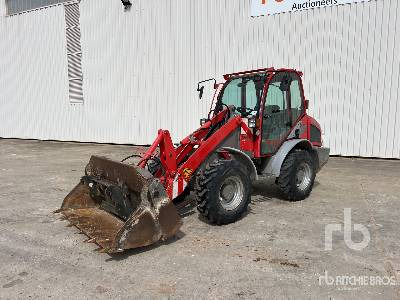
205, 199
286, 177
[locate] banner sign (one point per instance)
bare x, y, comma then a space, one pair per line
271, 7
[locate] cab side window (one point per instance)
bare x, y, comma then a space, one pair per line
283, 107
276, 99
296, 99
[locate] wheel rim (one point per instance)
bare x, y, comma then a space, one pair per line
231, 193
303, 176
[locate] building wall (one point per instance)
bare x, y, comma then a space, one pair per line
2, 8
33, 77
141, 68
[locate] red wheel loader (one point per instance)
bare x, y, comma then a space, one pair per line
257, 127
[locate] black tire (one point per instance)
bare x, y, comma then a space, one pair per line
292, 187
213, 182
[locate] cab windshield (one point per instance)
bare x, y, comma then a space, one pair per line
244, 93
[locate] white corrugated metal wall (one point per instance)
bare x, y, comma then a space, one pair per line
141, 67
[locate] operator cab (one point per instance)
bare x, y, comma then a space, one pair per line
270, 101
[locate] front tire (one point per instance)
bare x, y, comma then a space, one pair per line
297, 176
223, 191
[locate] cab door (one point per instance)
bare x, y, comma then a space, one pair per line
283, 106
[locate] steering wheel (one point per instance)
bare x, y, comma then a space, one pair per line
245, 111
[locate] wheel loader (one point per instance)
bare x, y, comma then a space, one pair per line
257, 127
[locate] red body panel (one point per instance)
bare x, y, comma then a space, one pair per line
180, 163
312, 121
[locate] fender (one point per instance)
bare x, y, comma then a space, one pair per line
245, 159
274, 165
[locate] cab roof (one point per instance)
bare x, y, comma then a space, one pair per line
258, 71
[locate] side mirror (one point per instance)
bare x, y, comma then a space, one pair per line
307, 104
201, 91
200, 88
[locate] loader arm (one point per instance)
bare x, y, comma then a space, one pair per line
181, 163
187, 145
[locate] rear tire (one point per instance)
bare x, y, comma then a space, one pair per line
223, 191
297, 175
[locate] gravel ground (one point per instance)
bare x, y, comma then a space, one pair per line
277, 251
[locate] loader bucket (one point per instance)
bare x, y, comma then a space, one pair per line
120, 206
